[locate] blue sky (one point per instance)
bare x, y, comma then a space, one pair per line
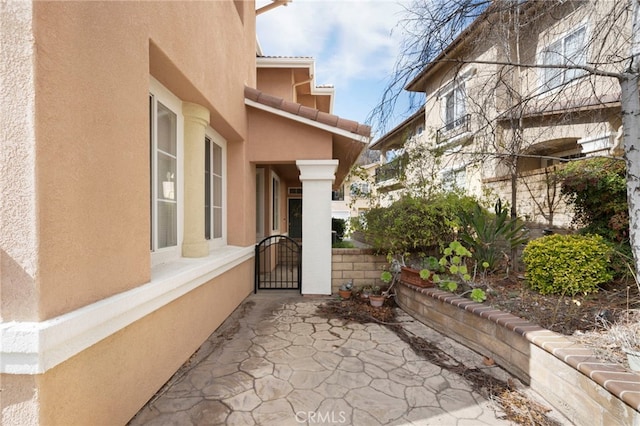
354, 43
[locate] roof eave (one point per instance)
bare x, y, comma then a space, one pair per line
397, 131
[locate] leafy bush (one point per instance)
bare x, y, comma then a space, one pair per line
413, 224
343, 244
597, 188
491, 236
567, 264
338, 225
454, 265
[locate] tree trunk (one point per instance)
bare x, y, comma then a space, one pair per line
630, 105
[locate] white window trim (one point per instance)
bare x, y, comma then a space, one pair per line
260, 204
274, 209
161, 94
461, 78
540, 58
219, 140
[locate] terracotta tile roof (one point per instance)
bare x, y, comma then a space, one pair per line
307, 112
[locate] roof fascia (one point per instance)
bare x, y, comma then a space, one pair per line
270, 62
399, 128
308, 122
415, 85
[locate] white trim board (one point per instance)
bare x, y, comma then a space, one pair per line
307, 121
35, 347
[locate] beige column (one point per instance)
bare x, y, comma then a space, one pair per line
196, 119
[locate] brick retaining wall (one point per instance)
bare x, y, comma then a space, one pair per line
585, 389
357, 264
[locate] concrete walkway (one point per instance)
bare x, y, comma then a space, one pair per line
276, 362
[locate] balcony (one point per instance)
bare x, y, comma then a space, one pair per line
453, 129
390, 170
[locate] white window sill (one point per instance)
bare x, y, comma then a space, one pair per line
35, 347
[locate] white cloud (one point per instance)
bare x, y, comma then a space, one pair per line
349, 39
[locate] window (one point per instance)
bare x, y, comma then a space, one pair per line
338, 194
165, 151
454, 179
454, 107
359, 189
275, 203
567, 51
214, 189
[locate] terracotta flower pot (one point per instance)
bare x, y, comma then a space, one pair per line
412, 276
376, 300
345, 294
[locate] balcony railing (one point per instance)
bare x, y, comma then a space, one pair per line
390, 170
453, 128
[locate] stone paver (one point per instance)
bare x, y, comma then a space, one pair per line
286, 365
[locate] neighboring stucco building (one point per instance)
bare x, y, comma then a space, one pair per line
492, 119
146, 150
354, 197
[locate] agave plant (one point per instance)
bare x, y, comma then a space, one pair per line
490, 236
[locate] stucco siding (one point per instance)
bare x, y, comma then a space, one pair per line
119, 374
92, 130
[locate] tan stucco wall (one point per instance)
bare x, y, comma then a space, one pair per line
18, 209
277, 139
92, 128
109, 382
74, 222
277, 82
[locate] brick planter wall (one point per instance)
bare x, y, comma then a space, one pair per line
357, 264
585, 389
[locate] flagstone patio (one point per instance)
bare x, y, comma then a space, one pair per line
275, 361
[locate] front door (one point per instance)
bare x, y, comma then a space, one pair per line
295, 218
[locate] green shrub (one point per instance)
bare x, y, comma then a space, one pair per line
567, 264
338, 225
342, 244
597, 188
414, 224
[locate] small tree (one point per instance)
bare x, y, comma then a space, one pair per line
613, 48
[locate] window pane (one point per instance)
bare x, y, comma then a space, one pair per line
166, 177
450, 110
217, 159
576, 53
207, 189
552, 76
217, 222
167, 224
213, 190
217, 191
151, 173
575, 48
460, 109
167, 132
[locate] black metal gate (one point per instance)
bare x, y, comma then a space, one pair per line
278, 264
